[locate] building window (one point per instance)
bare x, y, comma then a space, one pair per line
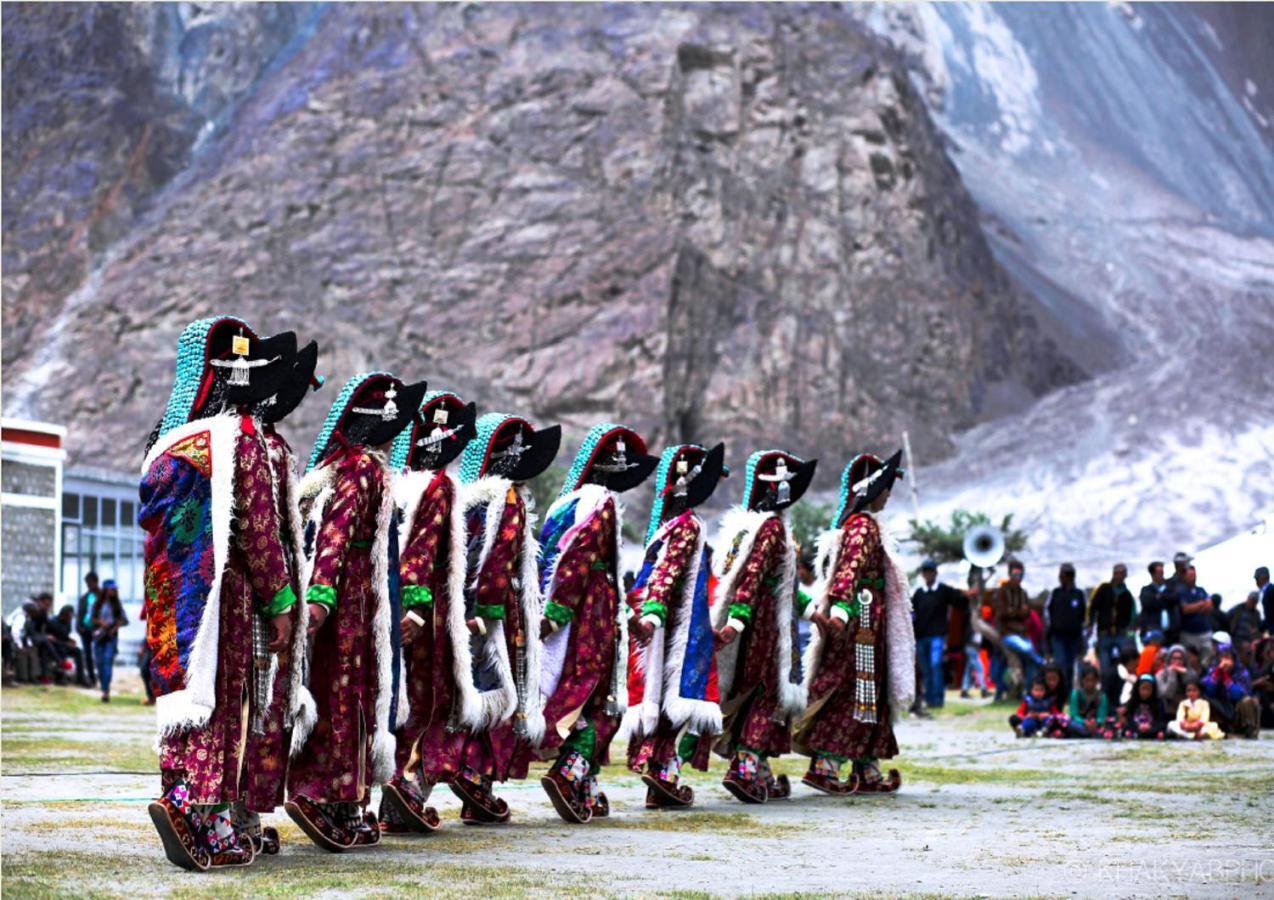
100, 534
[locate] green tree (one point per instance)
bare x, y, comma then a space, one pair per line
809, 520
945, 543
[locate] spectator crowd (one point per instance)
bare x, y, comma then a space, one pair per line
77, 645
1168, 662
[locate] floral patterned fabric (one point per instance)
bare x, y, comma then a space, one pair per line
431, 687
268, 752
583, 584
830, 727
756, 683
335, 765
209, 757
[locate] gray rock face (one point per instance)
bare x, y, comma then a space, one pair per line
711, 223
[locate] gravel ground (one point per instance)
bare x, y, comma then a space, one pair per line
980, 813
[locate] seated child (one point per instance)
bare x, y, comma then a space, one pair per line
1193, 720
1142, 718
1089, 707
1037, 714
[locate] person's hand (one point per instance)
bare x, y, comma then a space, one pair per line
280, 633
472, 625
1090, 723
318, 615
410, 630
1225, 663
641, 631
829, 625
725, 637
546, 628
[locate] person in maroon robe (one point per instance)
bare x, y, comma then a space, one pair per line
502, 602
583, 679
291, 714
218, 591
672, 677
347, 503
860, 665
752, 615
439, 688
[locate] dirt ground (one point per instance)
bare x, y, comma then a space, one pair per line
980, 814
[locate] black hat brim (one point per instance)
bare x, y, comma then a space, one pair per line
639, 470
541, 450
279, 352
799, 483
295, 386
713, 468
465, 429
372, 431
890, 472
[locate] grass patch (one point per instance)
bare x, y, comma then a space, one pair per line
23, 754
50, 700
734, 823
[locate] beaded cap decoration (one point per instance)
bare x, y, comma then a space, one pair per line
846, 501
749, 472
336, 413
473, 460
595, 437
401, 449
661, 483
192, 365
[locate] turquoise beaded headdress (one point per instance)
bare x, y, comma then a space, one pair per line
846, 497
336, 412
661, 484
192, 366
474, 458
401, 450
595, 437
749, 473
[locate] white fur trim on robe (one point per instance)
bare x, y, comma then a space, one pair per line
193, 705
301, 708
500, 704
409, 491
740, 521
700, 716
591, 498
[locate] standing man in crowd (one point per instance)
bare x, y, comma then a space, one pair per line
1066, 613
1111, 612
84, 625
930, 608
1196, 616
1244, 625
1011, 608
1265, 591
1159, 609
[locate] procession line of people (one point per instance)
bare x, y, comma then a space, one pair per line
396, 618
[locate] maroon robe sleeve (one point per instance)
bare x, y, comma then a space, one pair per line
418, 556
766, 547
680, 547
356, 482
257, 525
571, 577
861, 538
495, 593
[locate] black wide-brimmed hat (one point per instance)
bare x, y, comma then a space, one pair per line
255, 369
510, 447
438, 434
299, 382
613, 455
775, 479
867, 478
381, 408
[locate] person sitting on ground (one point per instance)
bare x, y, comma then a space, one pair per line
1055, 682
1143, 717
1173, 676
1126, 670
1228, 688
1193, 722
1089, 710
1038, 714
35, 638
61, 628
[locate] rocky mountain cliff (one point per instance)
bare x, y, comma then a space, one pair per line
713, 222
